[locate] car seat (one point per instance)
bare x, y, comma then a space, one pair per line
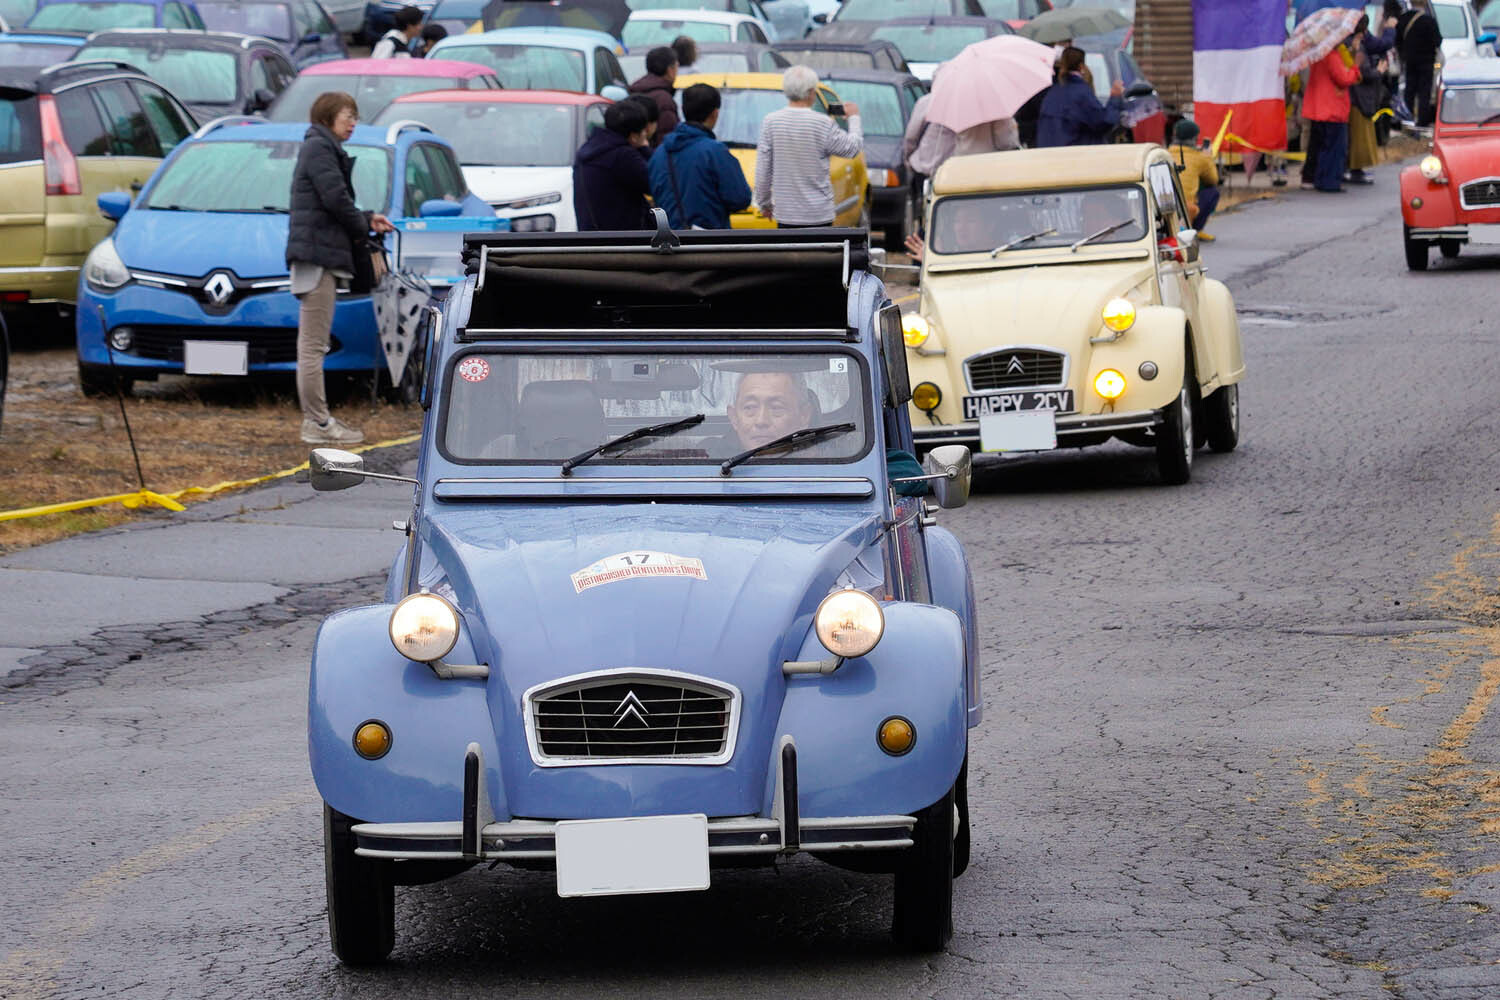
558, 419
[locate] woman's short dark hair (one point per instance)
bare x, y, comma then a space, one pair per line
1072, 59
328, 105
660, 59
647, 105
407, 16
686, 49
699, 101
624, 118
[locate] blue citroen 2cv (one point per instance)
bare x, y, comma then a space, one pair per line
672, 593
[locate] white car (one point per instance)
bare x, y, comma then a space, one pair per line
649, 28
781, 19
1461, 32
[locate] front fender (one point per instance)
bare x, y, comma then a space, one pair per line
1158, 335
1437, 202
1221, 333
953, 588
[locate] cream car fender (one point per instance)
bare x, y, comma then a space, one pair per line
1158, 336
1221, 336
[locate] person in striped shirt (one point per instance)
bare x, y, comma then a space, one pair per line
792, 185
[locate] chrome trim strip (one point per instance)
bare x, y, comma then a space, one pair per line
1442, 233
272, 283
1063, 384
20, 163
719, 480
50, 269
1463, 199
623, 675
160, 279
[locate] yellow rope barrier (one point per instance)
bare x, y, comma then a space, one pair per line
150, 498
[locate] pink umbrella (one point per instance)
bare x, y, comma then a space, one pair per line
989, 80
1318, 34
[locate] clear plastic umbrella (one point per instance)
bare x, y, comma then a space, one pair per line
1318, 34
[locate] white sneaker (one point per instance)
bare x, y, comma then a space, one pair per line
332, 432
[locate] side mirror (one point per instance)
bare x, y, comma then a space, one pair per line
260, 100
1188, 239
614, 92
1488, 38
820, 19
877, 258
440, 208
312, 39
954, 463
331, 469
1140, 88
113, 205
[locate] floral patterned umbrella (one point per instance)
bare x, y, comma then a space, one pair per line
1319, 34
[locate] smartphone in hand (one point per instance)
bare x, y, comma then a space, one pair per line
836, 110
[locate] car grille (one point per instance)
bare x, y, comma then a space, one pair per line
630, 717
267, 345
1481, 193
1014, 369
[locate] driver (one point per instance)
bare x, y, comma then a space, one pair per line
769, 405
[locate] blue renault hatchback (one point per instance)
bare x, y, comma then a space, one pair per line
194, 278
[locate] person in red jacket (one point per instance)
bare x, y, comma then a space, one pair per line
1326, 106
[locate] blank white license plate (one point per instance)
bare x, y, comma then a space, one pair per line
1485, 234
1028, 430
215, 357
616, 857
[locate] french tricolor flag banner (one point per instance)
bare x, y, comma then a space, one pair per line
1237, 71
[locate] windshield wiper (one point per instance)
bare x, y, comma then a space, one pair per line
653, 430
791, 441
1019, 240
736, 144
1101, 233
1491, 119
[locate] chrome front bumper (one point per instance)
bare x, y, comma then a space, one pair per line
1441, 233
1068, 425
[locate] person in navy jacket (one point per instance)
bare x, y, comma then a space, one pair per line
610, 183
1071, 115
695, 179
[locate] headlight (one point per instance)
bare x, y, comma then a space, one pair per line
424, 627
914, 330
849, 623
541, 199
1431, 167
103, 267
1119, 315
1110, 384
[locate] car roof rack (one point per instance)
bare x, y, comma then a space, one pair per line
227, 120
401, 126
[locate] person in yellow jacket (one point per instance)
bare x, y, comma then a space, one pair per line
1199, 176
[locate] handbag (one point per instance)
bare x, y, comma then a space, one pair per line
370, 265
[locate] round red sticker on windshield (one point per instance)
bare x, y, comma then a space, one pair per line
473, 369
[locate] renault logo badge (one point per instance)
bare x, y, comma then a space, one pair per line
219, 288
1015, 367
630, 707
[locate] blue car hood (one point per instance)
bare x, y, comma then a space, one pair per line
251, 244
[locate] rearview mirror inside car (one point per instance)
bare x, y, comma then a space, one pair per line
331, 469
956, 466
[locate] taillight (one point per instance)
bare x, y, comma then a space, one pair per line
59, 163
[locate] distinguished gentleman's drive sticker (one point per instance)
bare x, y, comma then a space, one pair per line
473, 369
636, 565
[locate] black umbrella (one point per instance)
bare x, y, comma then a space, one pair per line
608, 16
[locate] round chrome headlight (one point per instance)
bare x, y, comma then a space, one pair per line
1118, 315
914, 330
849, 623
1431, 167
424, 627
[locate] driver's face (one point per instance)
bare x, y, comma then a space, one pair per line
767, 406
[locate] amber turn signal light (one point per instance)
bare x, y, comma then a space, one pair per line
896, 735
372, 740
926, 397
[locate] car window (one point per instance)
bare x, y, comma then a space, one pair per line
125, 120
525, 67
194, 181
165, 118
884, 10
260, 76
302, 20
82, 127
95, 16
913, 93
268, 20
980, 223
372, 93
929, 42
771, 61
1470, 105
20, 127
174, 15
831, 58
1171, 213
321, 22
430, 173
16, 54
201, 76
282, 72
879, 106
1451, 20
755, 34
604, 73
593, 118
502, 134
650, 33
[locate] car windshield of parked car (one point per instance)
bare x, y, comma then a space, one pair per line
884, 10
458, 10
663, 32
15, 55
268, 20
371, 93
93, 16
930, 42
879, 105
1471, 106
1451, 20
198, 76
525, 407
262, 177
973, 223
525, 67
741, 113
499, 134
15, 13
831, 58
1021, 10
20, 128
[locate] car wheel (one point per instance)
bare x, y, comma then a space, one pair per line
962, 841
99, 380
1174, 440
923, 918
1222, 415
1449, 248
1416, 252
361, 896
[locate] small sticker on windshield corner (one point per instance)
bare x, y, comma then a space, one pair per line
838, 366
636, 566
473, 369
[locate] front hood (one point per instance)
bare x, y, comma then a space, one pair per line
1468, 158
497, 184
174, 242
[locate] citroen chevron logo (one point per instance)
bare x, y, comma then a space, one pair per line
1015, 367
219, 288
630, 707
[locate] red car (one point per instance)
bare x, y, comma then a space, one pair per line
1453, 196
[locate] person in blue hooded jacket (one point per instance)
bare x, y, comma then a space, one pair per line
695, 179
1071, 115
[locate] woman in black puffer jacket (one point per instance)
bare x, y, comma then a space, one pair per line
325, 231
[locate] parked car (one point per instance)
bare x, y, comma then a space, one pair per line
374, 83
716, 57
846, 46
348, 15
927, 41
542, 58
15, 13
27, 49
1462, 36
778, 18
194, 279
1489, 19
516, 147
747, 99
302, 28
1063, 303
457, 16
885, 10
649, 28
1017, 12
214, 73
86, 16
380, 16
77, 130
885, 102
608, 16
1452, 197
628, 643
1144, 119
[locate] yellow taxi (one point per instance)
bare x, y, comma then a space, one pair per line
747, 99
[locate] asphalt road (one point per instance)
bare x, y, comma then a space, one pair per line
1239, 739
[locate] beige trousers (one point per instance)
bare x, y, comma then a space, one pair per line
314, 321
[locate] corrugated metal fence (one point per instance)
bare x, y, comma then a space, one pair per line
1164, 48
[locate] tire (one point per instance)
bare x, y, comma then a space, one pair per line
962, 839
1416, 253
361, 896
923, 912
98, 380
1174, 440
1449, 248
1221, 418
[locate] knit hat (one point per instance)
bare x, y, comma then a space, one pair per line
1186, 130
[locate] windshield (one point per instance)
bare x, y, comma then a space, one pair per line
929, 42
679, 4
505, 407
458, 10
879, 105
973, 223
884, 10
741, 113
831, 58
1025, 10
33, 54
1451, 21
262, 172
1470, 105
371, 93
267, 20
662, 32
198, 76
498, 135
525, 67
94, 16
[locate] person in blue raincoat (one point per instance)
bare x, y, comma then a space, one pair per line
695, 179
1071, 115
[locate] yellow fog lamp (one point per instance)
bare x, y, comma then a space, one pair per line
372, 740
1432, 169
1110, 384
896, 735
914, 330
424, 627
926, 397
849, 623
1119, 315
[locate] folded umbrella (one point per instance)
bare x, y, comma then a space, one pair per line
1066, 23
1319, 34
988, 81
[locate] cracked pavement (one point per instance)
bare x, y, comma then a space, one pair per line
1239, 739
